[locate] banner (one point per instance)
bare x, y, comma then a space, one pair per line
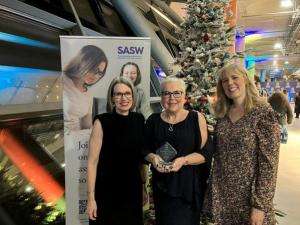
89, 64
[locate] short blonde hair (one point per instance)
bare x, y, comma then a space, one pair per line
110, 93
223, 103
173, 80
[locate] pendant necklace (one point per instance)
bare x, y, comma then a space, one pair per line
171, 127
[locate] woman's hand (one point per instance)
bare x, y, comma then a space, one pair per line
92, 209
177, 164
257, 217
158, 164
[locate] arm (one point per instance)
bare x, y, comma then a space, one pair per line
203, 129
194, 158
93, 158
157, 162
268, 134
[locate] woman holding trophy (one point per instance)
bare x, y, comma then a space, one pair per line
175, 140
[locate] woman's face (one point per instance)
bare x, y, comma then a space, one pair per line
173, 97
234, 85
122, 97
130, 71
92, 78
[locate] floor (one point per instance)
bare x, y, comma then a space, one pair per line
287, 197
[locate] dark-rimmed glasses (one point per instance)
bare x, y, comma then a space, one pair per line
168, 94
119, 95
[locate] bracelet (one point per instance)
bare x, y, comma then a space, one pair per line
90, 192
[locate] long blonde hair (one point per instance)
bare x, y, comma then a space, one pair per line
223, 103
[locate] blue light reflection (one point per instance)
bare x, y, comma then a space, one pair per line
25, 41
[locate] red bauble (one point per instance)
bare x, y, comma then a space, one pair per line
205, 38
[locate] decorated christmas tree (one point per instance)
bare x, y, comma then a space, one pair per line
24, 208
205, 38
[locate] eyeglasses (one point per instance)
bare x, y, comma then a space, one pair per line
168, 94
119, 95
99, 73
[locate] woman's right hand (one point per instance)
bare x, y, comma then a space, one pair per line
92, 209
157, 162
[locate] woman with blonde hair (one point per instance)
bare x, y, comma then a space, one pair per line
243, 178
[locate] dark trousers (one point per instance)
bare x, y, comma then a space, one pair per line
174, 211
297, 114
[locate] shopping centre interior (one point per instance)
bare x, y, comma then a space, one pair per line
267, 35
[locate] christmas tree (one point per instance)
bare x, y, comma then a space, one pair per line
205, 38
24, 208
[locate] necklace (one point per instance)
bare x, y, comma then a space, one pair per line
171, 127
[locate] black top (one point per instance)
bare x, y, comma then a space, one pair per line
297, 104
118, 181
190, 181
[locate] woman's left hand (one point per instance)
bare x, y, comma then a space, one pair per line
177, 164
257, 217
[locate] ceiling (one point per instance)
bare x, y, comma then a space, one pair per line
266, 23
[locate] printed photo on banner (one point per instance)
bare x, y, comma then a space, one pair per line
89, 64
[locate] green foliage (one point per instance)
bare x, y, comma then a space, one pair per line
204, 42
24, 208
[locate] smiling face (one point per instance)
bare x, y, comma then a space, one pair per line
130, 71
173, 97
122, 97
93, 77
234, 85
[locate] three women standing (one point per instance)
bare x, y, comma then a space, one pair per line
243, 179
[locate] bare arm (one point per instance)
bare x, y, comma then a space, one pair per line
193, 158
93, 158
203, 129
197, 158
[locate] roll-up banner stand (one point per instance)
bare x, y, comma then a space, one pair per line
89, 64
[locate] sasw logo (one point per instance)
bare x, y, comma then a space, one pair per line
124, 50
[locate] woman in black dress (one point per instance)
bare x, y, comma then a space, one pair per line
178, 188
114, 180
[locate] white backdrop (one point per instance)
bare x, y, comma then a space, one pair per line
118, 50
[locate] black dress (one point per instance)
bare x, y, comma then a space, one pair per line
178, 197
118, 188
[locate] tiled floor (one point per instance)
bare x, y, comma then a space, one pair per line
287, 197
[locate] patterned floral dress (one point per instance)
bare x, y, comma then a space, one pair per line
245, 168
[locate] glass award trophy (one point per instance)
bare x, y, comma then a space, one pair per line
167, 153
